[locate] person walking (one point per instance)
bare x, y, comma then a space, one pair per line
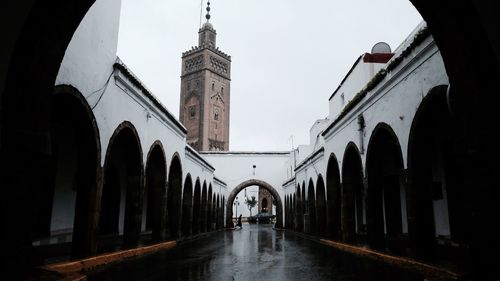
239, 222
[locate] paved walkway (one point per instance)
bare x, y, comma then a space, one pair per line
256, 252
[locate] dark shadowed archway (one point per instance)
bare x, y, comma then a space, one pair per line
299, 211
321, 222
187, 207
304, 207
155, 194
122, 195
334, 199
311, 208
216, 211
353, 211
385, 192
209, 208
174, 197
71, 187
196, 207
240, 187
204, 208
440, 202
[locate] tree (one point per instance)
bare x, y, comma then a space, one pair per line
250, 203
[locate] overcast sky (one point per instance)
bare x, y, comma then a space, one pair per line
288, 56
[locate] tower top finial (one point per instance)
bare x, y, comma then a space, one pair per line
208, 11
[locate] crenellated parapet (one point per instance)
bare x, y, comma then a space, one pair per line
196, 49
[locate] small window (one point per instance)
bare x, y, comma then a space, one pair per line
192, 112
222, 91
213, 86
216, 114
342, 99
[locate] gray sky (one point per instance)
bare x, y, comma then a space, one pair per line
288, 56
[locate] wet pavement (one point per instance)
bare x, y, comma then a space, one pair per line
256, 252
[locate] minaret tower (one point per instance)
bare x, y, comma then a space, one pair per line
205, 92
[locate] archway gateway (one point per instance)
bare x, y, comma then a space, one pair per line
247, 183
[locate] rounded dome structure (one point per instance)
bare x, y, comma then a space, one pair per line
208, 25
381, 48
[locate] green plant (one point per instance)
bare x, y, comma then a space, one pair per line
250, 203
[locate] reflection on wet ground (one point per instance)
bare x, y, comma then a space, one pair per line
256, 252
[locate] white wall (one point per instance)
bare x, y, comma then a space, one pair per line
89, 58
236, 167
355, 82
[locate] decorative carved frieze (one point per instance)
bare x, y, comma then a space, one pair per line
193, 63
218, 65
215, 145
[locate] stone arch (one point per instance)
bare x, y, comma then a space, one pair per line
299, 212
334, 198
321, 214
123, 175
154, 210
438, 196
216, 211
187, 206
204, 207
221, 215
299, 216
197, 207
240, 187
304, 206
353, 212
385, 190
72, 182
174, 196
311, 208
209, 207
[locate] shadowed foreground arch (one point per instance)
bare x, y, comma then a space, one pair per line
197, 207
440, 201
209, 208
122, 194
321, 222
155, 193
299, 211
334, 198
187, 207
384, 169
71, 187
240, 187
174, 197
352, 195
311, 209
204, 208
